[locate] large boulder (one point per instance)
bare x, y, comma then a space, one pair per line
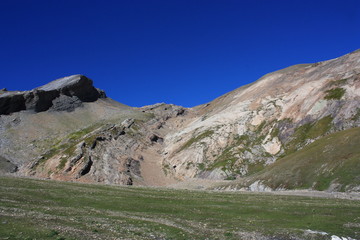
64, 94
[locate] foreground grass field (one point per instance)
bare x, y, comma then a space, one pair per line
38, 209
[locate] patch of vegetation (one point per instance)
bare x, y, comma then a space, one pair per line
62, 163
135, 127
308, 131
75, 136
53, 233
275, 132
69, 146
68, 153
335, 93
331, 159
49, 154
225, 160
229, 160
90, 139
319, 128
260, 127
356, 116
196, 139
70, 150
201, 166
242, 139
166, 168
32, 209
258, 140
148, 116
255, 167
189, 165
225, 164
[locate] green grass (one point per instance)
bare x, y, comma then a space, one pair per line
335, 93
68, 153
308, 131
260, 127
198, 138
67, 144
335, 157
76, 136
201, 166
38, 209
229, 160
90, 140
275, 132
255, 167
320, 127
225, 160
62, 163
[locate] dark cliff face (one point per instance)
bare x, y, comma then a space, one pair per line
64, 94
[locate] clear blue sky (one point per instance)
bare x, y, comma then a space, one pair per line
182, 52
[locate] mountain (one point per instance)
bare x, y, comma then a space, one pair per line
294, 128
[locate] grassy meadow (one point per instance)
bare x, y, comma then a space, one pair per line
43, 209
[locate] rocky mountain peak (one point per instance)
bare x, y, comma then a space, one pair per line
66, 82
63, 94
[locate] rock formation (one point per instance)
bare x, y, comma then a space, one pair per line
63, 94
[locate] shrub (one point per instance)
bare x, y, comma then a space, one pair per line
335, 93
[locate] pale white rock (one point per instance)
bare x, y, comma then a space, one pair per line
241, 129
318, 107
273, 146
257, 120
351, 91
334, 237
315, 232
61, 82
258, 186
217, 174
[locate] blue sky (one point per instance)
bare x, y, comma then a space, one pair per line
181, 52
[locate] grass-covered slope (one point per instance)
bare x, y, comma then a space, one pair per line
330, 162
37, 209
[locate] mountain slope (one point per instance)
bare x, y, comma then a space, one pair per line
329, 163
261, 136
65, 142
252, 127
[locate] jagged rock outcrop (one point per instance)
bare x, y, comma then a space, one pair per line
112, 153
64, 94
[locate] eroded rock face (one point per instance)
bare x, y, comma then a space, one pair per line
64, 94
109, 154
65, 103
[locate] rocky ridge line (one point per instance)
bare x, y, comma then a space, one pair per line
64, 94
